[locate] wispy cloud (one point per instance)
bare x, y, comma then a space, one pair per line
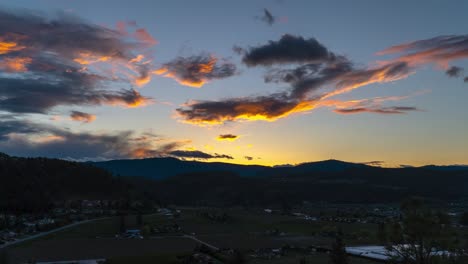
196, 154
454, 71
440, 50
267, 17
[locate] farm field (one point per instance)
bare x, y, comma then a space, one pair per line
244, 230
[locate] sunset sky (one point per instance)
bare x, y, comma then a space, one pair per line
249, 82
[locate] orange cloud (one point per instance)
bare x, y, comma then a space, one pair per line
440, 50
142, 35
15, 64
358, 78
248, 109
82, 117
9, 43
48, 139
195, 71
86, 58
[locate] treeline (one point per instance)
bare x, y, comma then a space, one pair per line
354, 185
35, 184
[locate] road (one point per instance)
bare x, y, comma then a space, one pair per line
201, 242
49, 232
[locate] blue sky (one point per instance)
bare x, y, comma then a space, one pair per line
435, 133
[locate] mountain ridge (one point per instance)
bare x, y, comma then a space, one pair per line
161, 168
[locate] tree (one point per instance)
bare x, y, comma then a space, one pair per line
419, 233
139, 219
123, 226
338, 252
237, 257
464, 219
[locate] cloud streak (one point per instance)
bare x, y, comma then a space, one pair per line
196, 154
440, 50
267, 17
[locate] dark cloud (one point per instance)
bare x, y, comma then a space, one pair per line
454, 71
289, 49
82, 117
304, 94
321, 75
229, 137
248, 158
465, 79
195, 71
382, 110
267, 108
41, 95
196, 154
24, 138
48, 62
377, 163
267, 17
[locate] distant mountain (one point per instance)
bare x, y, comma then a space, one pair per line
162, 168
325, 166
32, 184
446, 168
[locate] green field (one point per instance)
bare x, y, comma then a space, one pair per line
243, 230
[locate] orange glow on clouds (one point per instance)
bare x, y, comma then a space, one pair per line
141, 153
49, 139
86, 58
208, 67
253, 112
354, 80
17, 64
166, 73
7, 47
198, 69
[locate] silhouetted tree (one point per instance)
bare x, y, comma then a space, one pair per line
122, 224
237, 257
338, 252
464, 219
139, 219
420, 232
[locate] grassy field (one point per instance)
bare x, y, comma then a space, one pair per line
243, 230
256, 225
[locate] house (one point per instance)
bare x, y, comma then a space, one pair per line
133, 233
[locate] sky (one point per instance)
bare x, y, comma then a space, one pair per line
248, 82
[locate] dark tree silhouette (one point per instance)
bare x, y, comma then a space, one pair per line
420, 233
338, 252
